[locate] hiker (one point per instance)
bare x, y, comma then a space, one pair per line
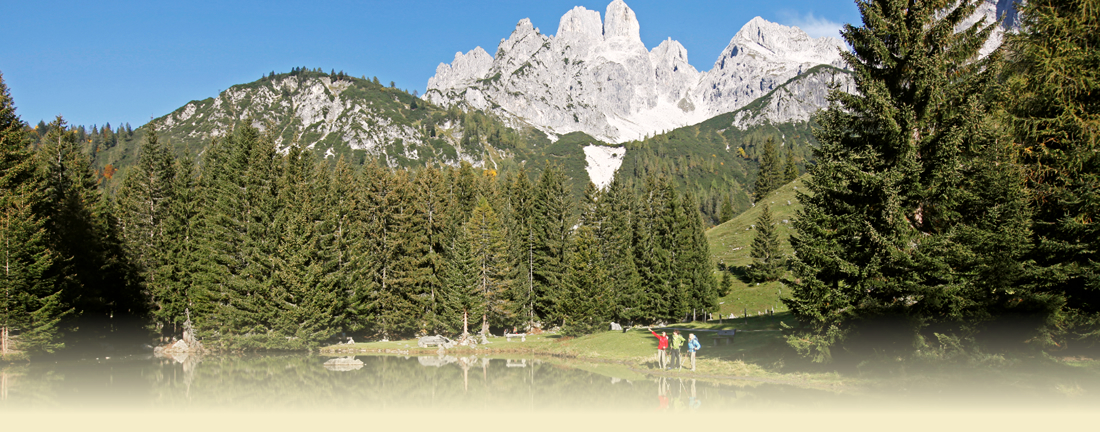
662, 346
693, 346
677, 343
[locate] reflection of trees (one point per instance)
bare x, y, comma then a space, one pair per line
276, 382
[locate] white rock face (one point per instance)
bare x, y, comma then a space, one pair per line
601, 162
463, 71
992, 10
598, 77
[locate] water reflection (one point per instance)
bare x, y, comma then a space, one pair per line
275, 382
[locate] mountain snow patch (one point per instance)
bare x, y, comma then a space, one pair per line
601, 162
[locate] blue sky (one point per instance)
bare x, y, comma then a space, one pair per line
128, 61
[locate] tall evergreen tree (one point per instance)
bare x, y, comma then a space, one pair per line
770, 176
492, 263
767, 265
726, 212
585, 300
94, 272
654, 232
553, 220
177, 295
432, 202
306, 289
616, 232
144, 204
462, 295
1052, 99
30, 300
693, 259
524, 234
791, 172
897, 234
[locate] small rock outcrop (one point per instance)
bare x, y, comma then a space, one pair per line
343, 364
437, 340
189, 344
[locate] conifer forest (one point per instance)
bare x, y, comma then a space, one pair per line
953, 200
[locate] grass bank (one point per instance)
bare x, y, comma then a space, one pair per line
758, 355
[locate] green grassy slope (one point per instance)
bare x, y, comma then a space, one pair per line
731, 243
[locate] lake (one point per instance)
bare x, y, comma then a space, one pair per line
450, 384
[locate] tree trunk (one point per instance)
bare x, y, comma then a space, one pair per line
4, 341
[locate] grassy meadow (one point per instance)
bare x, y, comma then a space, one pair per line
731, 243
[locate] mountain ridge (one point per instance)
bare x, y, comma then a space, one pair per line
599, 78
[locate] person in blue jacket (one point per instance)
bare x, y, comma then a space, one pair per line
693, 346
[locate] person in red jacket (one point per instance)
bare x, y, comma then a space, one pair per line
662, 347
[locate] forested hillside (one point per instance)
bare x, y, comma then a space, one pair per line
260, 249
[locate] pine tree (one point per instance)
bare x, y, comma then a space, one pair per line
522, 199
306, 289
769, 178
585, 301
696, 272
898, 232
462, 295
179, 296
30, 300
767, 264
726, 213
144, 205
553, 220
1052, 103
433, 203
791, 172
653, 250
617, 208
93, 271
492, 263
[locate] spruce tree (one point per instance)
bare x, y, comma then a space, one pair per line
492, 264
179, 295
654, 231
521, 195
433, 204
1054, 79
553, 221
617, 203
463, 299
767, 264
306, 289
770, 177
94, 272
726, 212
697, 282
144, 203
898, 231
585, 302
791, 172
30, 301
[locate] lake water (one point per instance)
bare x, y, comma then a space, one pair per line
447, 383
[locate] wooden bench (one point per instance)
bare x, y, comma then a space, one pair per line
726, 336
522, 336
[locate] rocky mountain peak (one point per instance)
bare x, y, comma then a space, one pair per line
600, 78
763, 37
580, 23
463, 71
621, 22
